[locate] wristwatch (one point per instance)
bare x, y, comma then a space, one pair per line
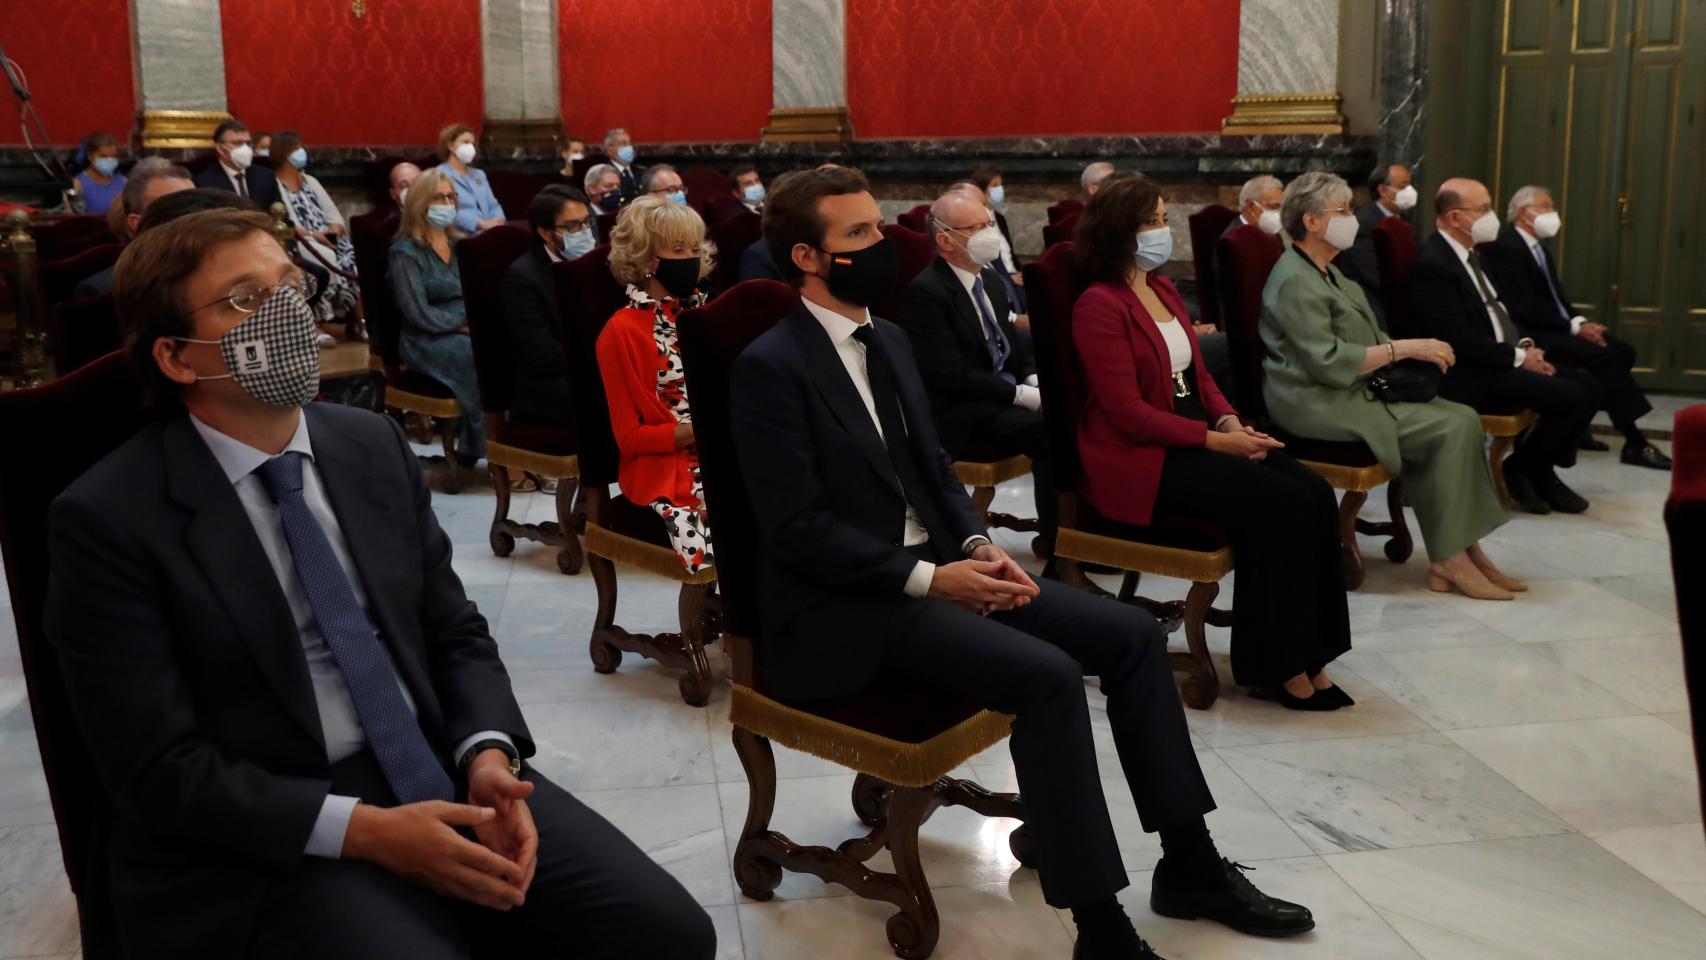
973, 542
467, 759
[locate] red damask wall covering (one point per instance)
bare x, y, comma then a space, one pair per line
394, 76
978, 68
668, 71
78, 67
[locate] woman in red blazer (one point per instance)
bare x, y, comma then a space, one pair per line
1156, 438
659, 250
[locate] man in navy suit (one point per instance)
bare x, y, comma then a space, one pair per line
234, 168
874, 563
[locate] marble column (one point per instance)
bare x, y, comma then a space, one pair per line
1403, 81
178, 54
519, 44
808, 71
1288, 68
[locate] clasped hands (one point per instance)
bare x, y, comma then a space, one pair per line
987, 582
419, 841
1233, 437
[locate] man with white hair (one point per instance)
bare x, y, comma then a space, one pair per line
1526, 274
979, 372
1093, 175
604, 187
1259, 205
619, 147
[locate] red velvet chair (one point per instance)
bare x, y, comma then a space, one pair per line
1063, 230
1064, 208
1246, 257
80, 331
376, 174
903, 743
732, 235
58, 278
1206, 226
913, 251
402, 390
720, 206
606, 223
1394, 254
1166, 548
70, 423
703, 183
66, 236
515, 190
546, 450
917, 219
1685, 517
618, 530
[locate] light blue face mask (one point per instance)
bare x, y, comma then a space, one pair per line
106, 166
625, 154
997, 194
678, 196
299, 158
441, 215
754, 193
1154, 247
576, 245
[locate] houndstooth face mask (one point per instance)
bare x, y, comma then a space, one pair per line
273, 353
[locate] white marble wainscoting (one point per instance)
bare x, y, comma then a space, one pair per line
1515, 781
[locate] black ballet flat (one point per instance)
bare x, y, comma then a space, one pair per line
1319, 701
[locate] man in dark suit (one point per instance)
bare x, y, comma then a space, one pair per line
562, 220
755, 262
981, 376
1392, 194
619, 149
874, 564
1498, 369
1527, 277
277, 674
149, 181
234, 168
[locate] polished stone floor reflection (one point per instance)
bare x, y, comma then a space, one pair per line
1515, 782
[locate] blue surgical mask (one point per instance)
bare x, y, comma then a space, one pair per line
754, 193
441, 215
106, 165
997, 194
678, 196
1154, 247
299, 158
577, 244
625, 154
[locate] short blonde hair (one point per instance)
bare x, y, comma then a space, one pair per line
645, 225
448, 136
413, 223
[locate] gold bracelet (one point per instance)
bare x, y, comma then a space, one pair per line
1391, 354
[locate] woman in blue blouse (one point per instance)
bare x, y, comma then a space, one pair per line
476, 206
428, 291
98, 181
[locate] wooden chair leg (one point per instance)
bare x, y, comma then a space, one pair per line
914, 930
1349, 507
1496, 460
606, 656
503, 544
981, 498
447, 428
871, 799
1202, 684
1401, 546
696, 683
569, 556
756, 872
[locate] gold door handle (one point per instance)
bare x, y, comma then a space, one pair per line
1623, 209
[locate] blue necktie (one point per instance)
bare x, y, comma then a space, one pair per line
993, 338
410, 766
1546, 271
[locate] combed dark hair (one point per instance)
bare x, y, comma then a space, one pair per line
791, 213
149, 281
225, 127
740, 171
284, 143
1379, 176
1107, 232
983, 176
542, 210
173, 206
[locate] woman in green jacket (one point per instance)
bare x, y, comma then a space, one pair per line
1322, 346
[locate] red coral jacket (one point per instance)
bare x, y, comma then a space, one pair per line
629, 362
1128, 421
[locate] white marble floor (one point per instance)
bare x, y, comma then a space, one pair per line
1514, 782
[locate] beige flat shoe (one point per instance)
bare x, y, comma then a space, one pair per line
1484, 589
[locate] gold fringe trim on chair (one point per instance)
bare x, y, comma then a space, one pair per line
1200, 566
637, 553
974, 473
548, 465
1354, 479
902, 764
1507, 425
444, 408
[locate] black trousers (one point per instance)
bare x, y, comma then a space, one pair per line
1612, 368
1031, 663
595, 894
1015, 430
1289, 613
1565, 402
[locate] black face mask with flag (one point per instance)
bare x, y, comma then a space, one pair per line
861, 277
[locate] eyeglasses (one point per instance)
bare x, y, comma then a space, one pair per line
661, 189
574, 226
1333, 210
248, 297
971, 229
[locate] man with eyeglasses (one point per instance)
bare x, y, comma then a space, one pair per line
980, 374
1498, 370
309, 742
562, 220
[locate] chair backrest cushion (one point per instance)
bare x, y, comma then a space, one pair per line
63, 237
515, 191
1062, 230
1685, 516
702, 184
1394, 254
372, 234
732, 235
1206, 226
1052, 286
60, 277
1246, 256
587, 297
481, 261
81, 331
1064, 208
917, 219
913, 251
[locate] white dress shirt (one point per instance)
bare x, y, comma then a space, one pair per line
1024, 394
1178, 344
339, 724
231, 174
1520, 349
852, 354
1538, 252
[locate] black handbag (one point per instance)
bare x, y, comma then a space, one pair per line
1407, 381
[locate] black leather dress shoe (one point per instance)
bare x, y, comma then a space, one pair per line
1227, 897
1559, 495
1592, 443
1523, 494
1134, 949
1648, 456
